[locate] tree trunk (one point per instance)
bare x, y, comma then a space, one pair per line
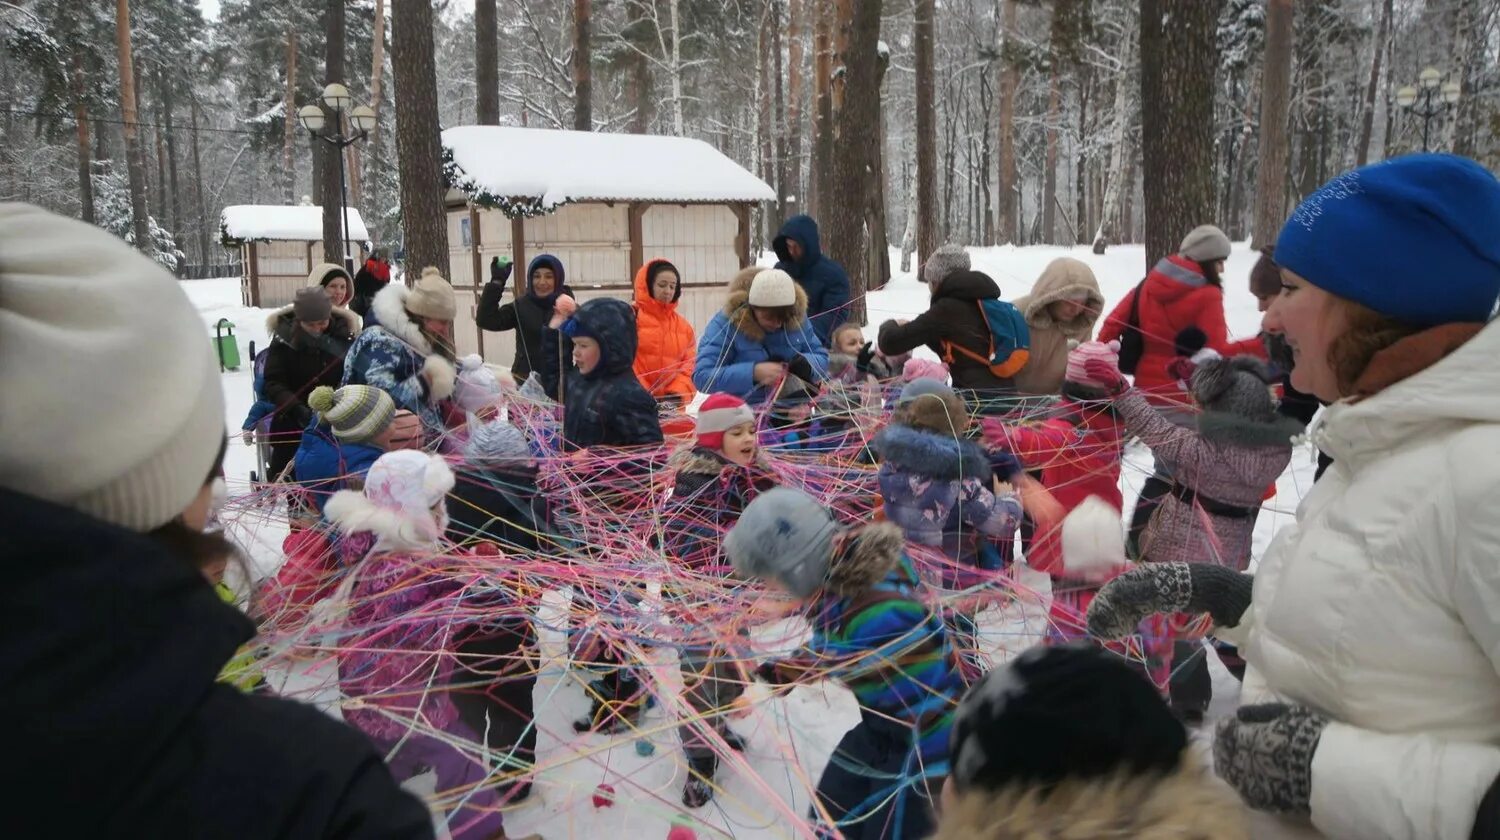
583, 80
1115, 183
641, 90
677, 70
199, 204
1177, 118
1367, 112
854, 146
778, 101
168, 105
418, 144
1468, 54
1275, 88
1010, 80
909, 238
822, 162
987, 219
1127, 213
877, 246
1049, 172
486, 64
762, 156
924, 14
794, 99
1080, 166
135, 163
81, 122
374, 159
333, 186
289, 114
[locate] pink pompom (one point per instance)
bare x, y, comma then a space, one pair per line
604, 796
681, 832
566, 305
924, 369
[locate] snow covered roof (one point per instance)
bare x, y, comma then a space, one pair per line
301, 223
497, 165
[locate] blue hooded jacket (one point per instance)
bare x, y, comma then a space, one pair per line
824, 280
606, 406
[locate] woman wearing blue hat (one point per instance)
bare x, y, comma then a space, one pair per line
1371, 703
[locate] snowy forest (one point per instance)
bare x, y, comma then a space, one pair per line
902, 123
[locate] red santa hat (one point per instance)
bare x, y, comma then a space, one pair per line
718, 414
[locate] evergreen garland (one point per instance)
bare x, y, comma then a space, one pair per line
513, 206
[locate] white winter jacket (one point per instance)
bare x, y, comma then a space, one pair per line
1381, 606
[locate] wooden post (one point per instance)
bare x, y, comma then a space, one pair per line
252, 269
633, 214
477, 262
742, 238
518, 256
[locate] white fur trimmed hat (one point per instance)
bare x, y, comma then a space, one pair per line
86, 320
773, 287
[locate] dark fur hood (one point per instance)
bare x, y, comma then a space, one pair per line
866, 558
1221, 427
1185, 805
696, 460
737, 307
281, 324
931, 454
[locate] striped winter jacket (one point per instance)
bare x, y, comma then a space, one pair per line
872, 632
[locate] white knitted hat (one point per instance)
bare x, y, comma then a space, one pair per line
773, 287
87, 321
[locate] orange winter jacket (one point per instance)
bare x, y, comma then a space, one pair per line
666, 345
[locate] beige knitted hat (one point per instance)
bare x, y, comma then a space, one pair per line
432, 297
87, 321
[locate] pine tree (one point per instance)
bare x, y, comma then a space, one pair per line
418, 143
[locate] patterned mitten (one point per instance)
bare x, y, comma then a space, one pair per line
1265, 752
1153, 588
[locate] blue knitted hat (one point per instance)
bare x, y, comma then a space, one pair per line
1415, 238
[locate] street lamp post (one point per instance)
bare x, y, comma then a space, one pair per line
361, 119
1430, 85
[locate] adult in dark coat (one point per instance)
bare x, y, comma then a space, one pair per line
955, 316
115, 642
800, 254
528, 314
368, 281
309, 339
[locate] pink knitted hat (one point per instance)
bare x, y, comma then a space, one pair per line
1079, 357
917, 368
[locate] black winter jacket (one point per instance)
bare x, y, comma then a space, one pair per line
110, 648
606, 406
298, 362
527, 315
955, 316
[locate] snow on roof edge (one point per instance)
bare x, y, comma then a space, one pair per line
240, 223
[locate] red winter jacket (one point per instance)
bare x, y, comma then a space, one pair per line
1174, 297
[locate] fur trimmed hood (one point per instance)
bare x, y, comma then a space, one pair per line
389, 307
282, 323
866, 557
1185, 805
737, 307
1062, 279
1221, 427
696, 460
931, 454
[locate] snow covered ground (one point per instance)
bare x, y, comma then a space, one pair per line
789, 739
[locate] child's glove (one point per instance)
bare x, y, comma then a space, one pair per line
1005, 465
1107, 375
1266, 751
801, 368
1153, 588
865, 357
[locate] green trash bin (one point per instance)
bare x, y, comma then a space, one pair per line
226, 345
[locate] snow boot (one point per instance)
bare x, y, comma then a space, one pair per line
699, 788
617, 706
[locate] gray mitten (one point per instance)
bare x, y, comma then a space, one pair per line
1265, 752
1153, 588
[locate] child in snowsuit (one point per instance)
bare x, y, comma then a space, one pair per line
1068, 742
873, 632
1078, 447
398, 658
715, 480
1220, 471
604, 405
936, 484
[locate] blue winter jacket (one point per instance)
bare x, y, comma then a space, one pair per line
324, 465
824, 280
733, 343
392, 356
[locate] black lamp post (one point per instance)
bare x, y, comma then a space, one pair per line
361, 120
1436, 97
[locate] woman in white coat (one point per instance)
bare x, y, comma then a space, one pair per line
1371, 704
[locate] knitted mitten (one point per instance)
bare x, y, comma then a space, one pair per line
1152, 588
1265, 752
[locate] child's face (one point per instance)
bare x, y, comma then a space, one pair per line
849, 342
585, 354
740, 444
